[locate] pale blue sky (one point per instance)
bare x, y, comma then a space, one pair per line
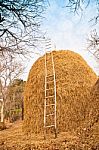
68, 30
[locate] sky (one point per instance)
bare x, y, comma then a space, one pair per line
68, 31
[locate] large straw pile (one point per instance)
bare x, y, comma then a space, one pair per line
74, 79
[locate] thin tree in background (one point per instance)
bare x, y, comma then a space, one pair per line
14, 102
1, 104
10, 69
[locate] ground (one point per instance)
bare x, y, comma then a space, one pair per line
13, 138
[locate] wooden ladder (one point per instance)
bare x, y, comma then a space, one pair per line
50, 87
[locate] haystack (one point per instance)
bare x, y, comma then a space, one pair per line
74, 79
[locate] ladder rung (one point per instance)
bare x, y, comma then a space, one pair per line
50, 114
49, 96
50, 81
50, 104
49, 76
48, 48
49, 89
48, 52
47, 41
48, 44
47, 60
50, 126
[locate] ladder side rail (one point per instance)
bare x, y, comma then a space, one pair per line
45, 100
54, 91
47, 45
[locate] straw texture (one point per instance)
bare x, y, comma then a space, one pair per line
74, 80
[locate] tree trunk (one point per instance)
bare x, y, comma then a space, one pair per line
2, 112
22, 111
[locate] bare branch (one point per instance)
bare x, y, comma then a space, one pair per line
93, 43
19, 22
76, 5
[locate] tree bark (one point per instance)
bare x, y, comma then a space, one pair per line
2, 112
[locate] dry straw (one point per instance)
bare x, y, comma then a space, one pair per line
89, 128
74, 79
2, 126
94, 103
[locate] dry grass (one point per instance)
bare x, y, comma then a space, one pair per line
74, 81
14, 139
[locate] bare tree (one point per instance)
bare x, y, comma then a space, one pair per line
14, 103
10, 69
1, 104
19, 25
78, 6
93, 43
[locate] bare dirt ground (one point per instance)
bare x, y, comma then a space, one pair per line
13, 138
